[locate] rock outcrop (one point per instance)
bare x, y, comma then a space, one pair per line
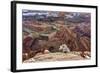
72, 39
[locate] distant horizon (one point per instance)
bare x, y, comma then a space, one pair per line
30, 12
70, 16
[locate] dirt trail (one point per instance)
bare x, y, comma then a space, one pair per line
58, 56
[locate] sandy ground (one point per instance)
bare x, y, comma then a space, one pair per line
58, 56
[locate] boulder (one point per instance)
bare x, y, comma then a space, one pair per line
46, 51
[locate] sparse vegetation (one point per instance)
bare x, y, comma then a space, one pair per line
50, 29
